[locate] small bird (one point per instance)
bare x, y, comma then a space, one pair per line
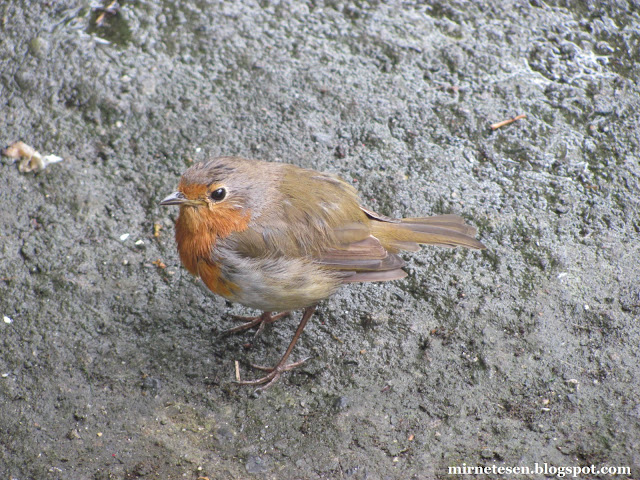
276, 237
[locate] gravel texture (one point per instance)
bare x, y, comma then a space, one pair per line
111, 362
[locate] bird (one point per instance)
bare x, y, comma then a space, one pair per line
276, 237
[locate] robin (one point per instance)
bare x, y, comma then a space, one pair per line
276, 237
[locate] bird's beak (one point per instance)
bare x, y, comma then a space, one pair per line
176, 198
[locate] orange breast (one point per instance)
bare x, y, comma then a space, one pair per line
197, 230
210, 274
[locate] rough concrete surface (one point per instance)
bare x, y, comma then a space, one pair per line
112, 367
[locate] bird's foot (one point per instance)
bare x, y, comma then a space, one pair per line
250, 322
273, 375
282, 366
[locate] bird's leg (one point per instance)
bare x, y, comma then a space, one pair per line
282, 366
250, 322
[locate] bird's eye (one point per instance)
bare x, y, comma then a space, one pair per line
218, 195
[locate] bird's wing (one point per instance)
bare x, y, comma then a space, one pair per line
317, 216
364, 260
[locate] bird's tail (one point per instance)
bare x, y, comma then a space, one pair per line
408, 233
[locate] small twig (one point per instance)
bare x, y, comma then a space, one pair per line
237, 371
495, 126
581, 327
100, 19
111, 9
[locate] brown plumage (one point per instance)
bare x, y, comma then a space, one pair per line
277, 237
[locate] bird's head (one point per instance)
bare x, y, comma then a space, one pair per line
223, 183
206, 185
221, 195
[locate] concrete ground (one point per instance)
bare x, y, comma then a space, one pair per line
111, 363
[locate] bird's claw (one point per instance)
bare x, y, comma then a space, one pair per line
250, 322
272, 376
282, 365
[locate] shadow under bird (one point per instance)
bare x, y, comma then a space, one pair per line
276, 237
